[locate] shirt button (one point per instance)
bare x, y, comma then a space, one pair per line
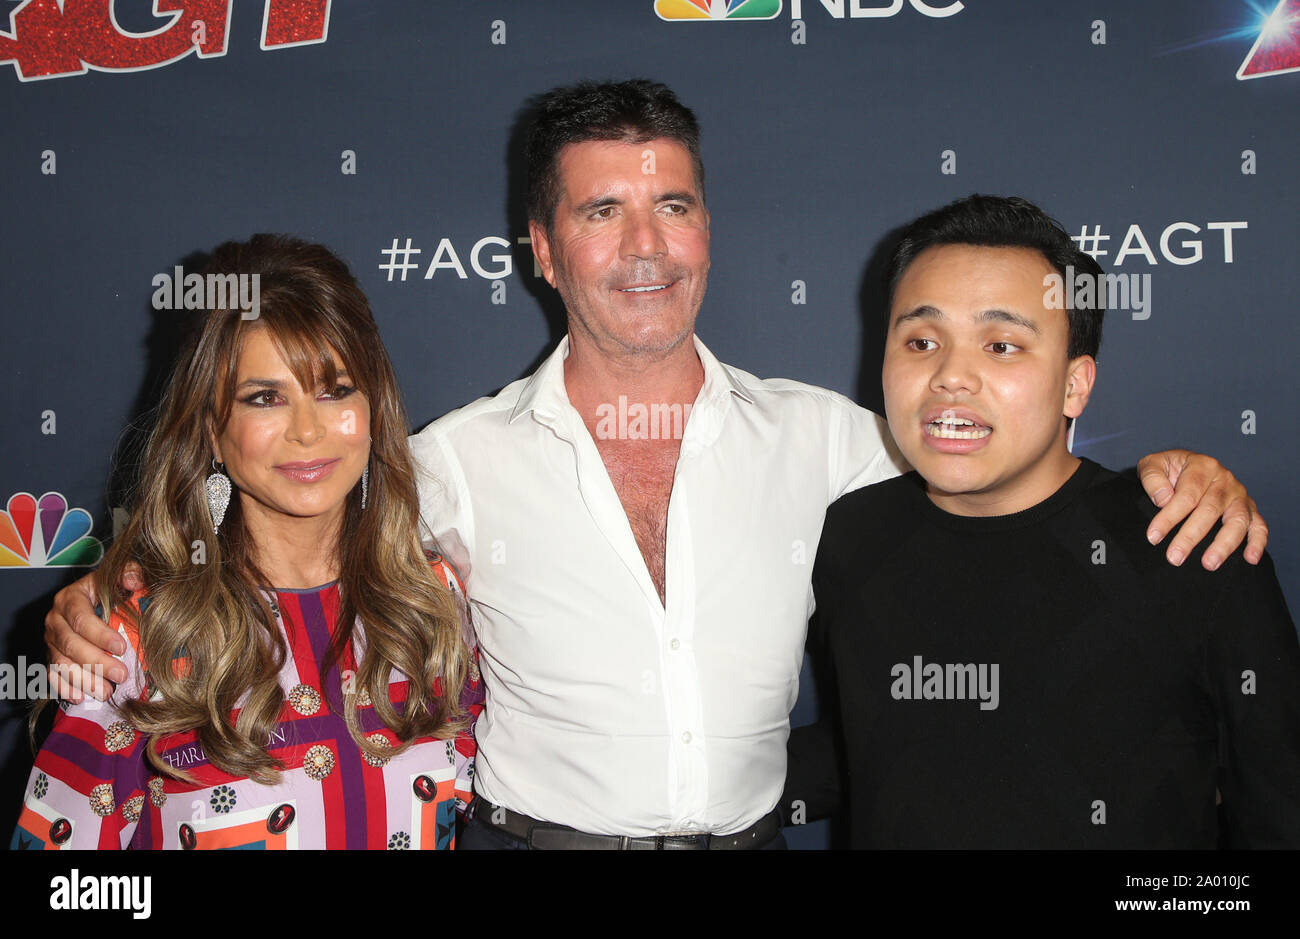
686, 737
675, 644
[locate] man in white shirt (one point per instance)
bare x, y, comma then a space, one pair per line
636, 522
641, 596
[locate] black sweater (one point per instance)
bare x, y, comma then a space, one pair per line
1045, 679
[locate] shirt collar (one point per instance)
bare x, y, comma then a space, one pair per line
718, 379
544, 393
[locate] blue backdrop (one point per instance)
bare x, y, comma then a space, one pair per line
1163, 134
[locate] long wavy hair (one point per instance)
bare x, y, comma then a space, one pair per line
208, 636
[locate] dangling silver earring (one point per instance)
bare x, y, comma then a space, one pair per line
217, 488
365, 486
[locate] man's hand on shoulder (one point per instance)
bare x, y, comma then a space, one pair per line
80, 643
1198, 488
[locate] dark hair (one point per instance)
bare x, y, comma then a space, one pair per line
1005, 222
634, 111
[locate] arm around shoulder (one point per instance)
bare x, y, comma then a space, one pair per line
89, 786
446, 510
862, 451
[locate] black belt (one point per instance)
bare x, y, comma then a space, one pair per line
547, 835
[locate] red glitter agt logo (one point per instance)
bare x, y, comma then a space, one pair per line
54, 38
1277, 48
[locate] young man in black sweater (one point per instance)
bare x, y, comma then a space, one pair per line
1014, 665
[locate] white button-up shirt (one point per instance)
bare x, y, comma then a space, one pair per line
606, 710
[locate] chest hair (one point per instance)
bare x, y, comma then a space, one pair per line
642, 473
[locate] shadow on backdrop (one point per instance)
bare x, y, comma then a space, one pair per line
548, 299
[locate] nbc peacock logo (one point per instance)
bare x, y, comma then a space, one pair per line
718, 9
44, 532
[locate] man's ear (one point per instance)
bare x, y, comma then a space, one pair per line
542, 250
1080, 377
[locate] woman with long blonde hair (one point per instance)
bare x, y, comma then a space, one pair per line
299, 668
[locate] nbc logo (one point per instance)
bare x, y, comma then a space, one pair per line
44, 533
718, 9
